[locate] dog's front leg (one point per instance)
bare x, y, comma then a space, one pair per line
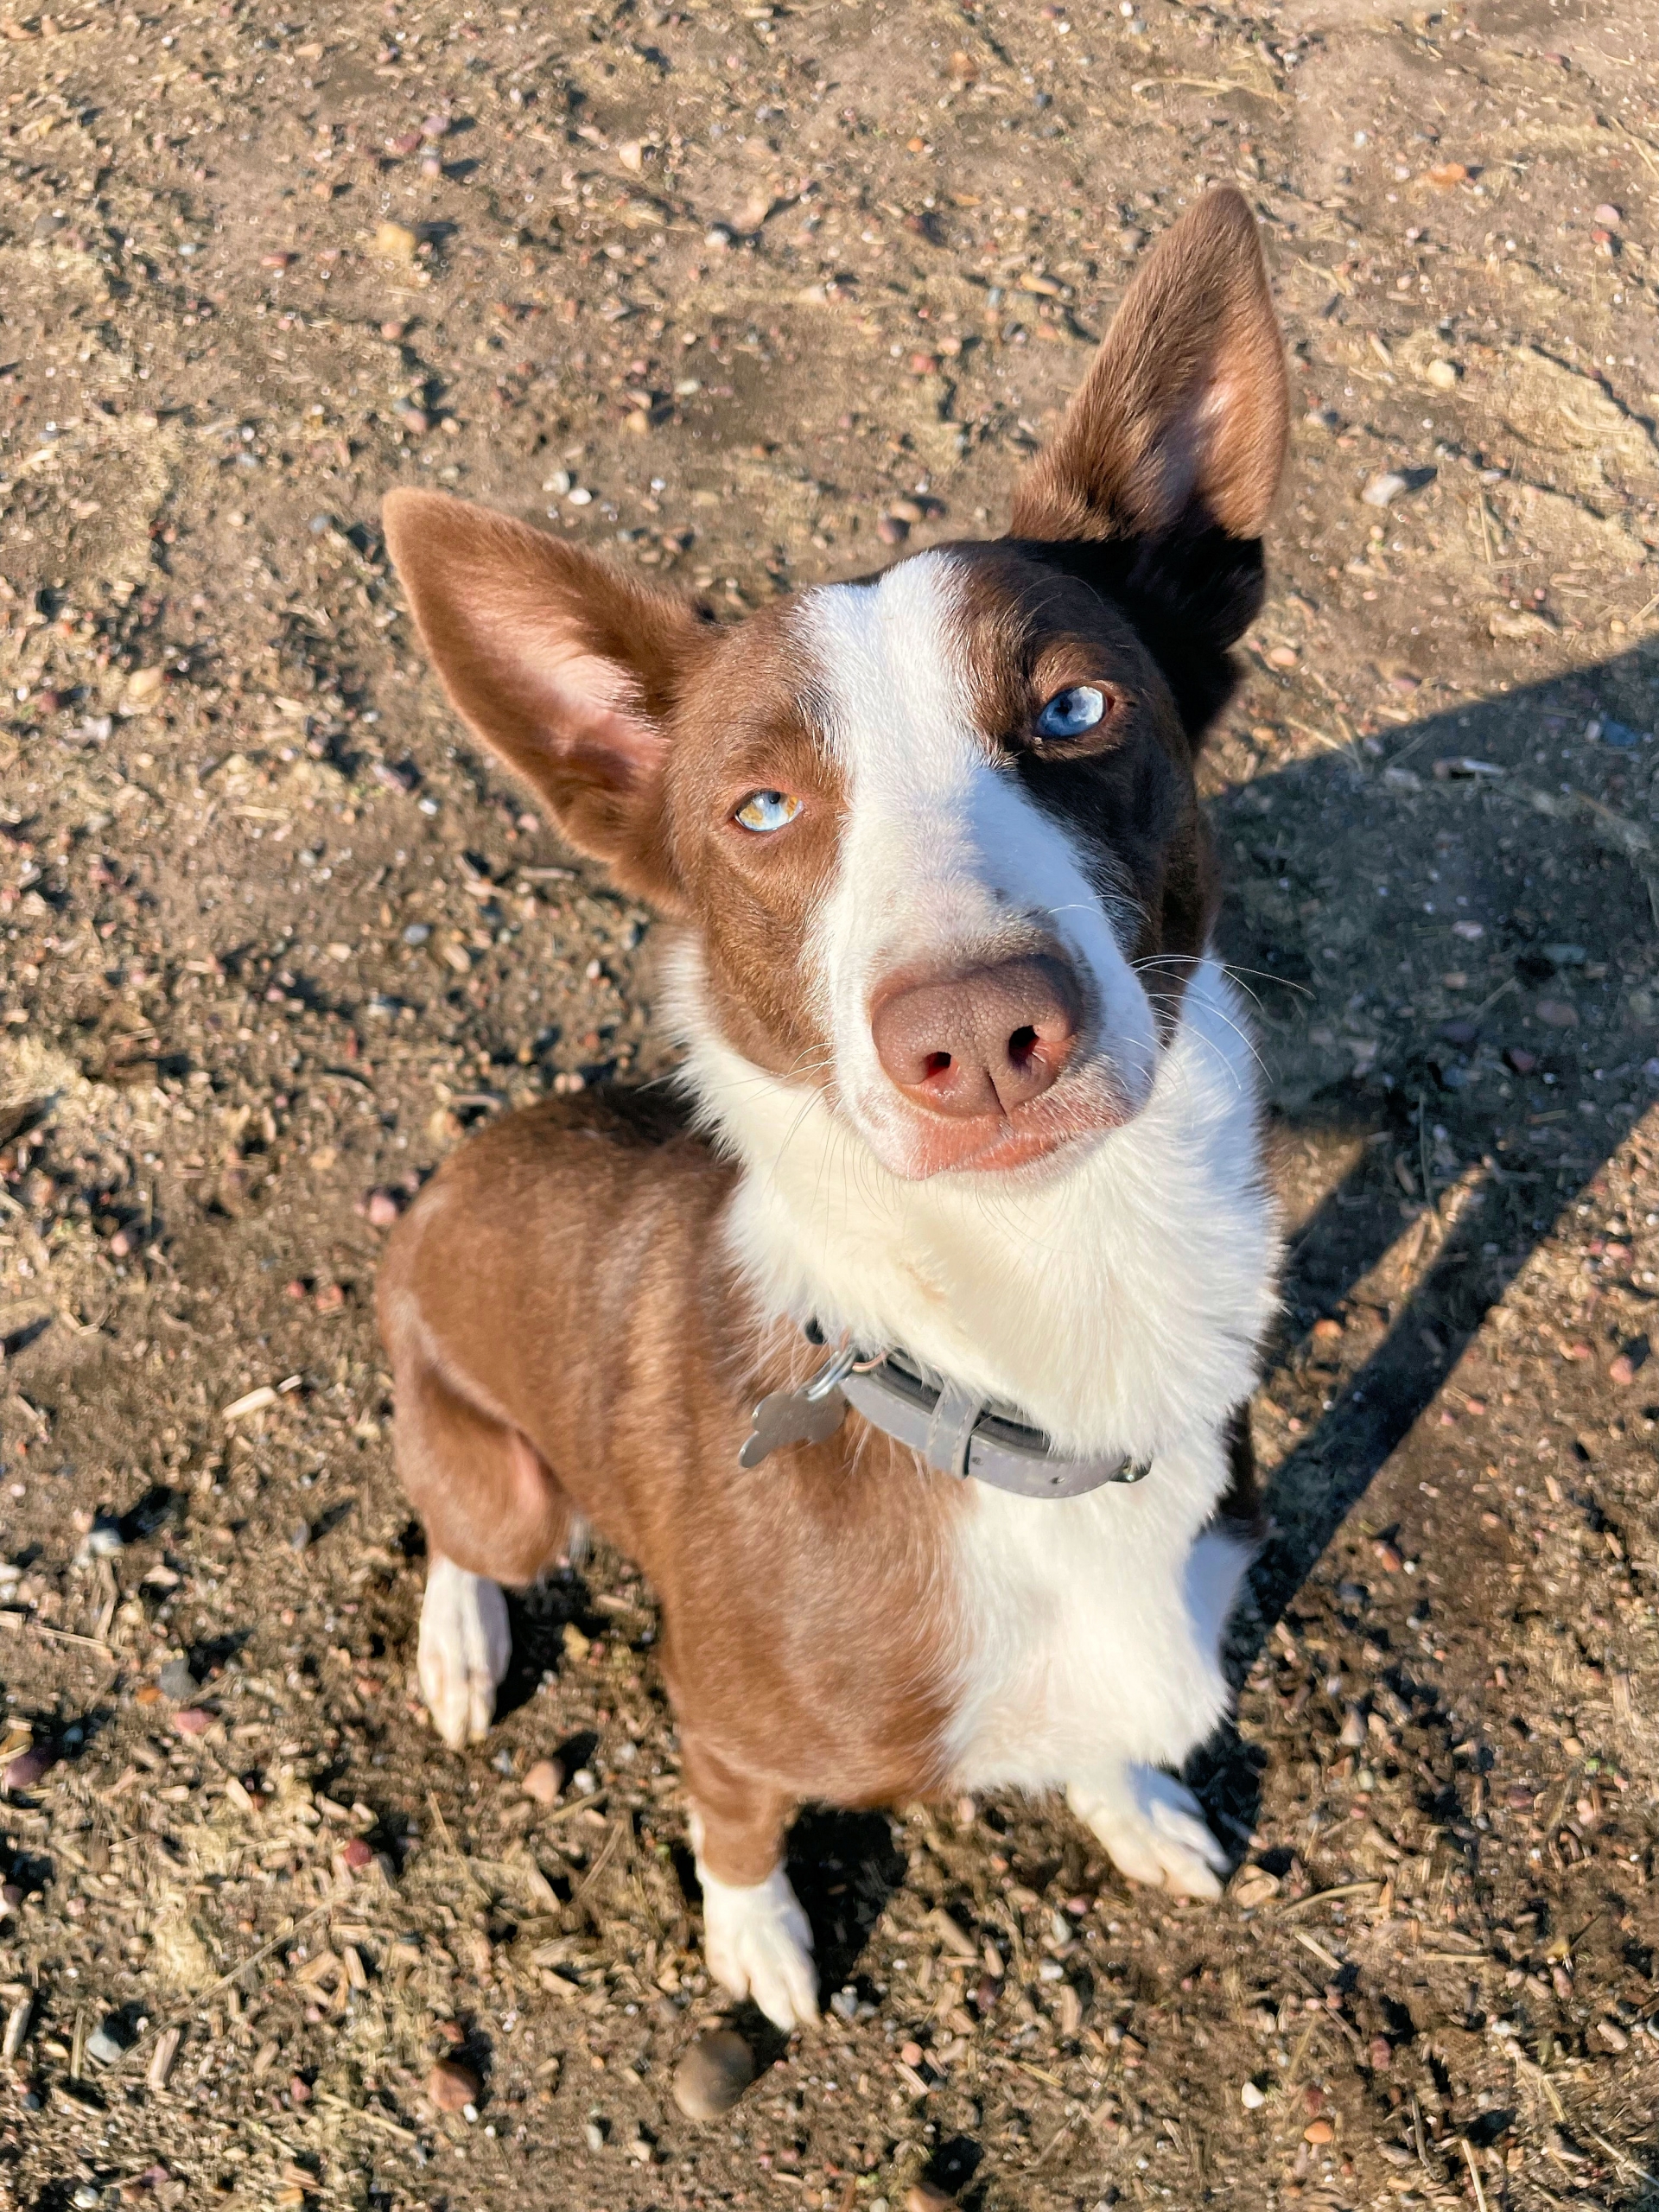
758, 1939
464, 1648
1153, 1826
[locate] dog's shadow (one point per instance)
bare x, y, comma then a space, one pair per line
1469, 918
1449, 935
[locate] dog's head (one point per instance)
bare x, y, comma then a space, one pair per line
937, 830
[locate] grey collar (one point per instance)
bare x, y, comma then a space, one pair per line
956, 1431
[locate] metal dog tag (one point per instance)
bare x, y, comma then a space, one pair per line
810, 1415
786, 1417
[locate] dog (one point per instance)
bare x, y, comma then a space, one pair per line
914, 1374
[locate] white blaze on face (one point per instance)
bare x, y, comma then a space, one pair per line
944, 858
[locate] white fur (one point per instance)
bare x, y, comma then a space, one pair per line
1115, 1295
465, 1647
942, 853
759, 1942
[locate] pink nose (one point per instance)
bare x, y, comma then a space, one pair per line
982, 1043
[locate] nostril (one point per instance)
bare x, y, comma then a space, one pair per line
935, 1063
1023, 1044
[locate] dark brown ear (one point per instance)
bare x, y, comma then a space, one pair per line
1183, 418
561, 663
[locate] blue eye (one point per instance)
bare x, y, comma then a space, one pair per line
763, 811
1069, 713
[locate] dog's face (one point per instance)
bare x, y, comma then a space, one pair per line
937, 831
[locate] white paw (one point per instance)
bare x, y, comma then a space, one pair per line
760, 1945
1155, 1830
463, 1652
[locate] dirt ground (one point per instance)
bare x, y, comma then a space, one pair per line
748, 296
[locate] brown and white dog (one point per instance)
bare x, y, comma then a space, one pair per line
976, 1091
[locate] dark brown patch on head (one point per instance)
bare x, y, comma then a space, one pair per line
1124, 789
1158, 483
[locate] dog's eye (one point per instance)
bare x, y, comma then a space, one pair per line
763, 811
1070, 712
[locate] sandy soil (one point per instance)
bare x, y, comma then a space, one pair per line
747, 296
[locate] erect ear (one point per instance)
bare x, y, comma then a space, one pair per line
564, 665
1181, 425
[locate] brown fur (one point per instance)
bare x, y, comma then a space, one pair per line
561, 1286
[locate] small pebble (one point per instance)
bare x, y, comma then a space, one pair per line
382, 1209
30, 1767
1319, 2131
104, 1539
1444, 376
1608, 216
544, 1782
893, 530
1621, 1370
177, 1680
193, 1721
1251, 2097
1254, 1886
358, 1854
927, 2196
395, 241
452, 2086
713, 2075
1383, 490
107, 2044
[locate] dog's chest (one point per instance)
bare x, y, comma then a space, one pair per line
1118, 1306
1090, 1622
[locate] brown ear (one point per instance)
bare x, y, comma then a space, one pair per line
561, 663
1183, 421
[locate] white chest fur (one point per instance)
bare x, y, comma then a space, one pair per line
1119, 1305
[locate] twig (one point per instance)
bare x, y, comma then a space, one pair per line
367, 2112
1320, 1896
1474, 2174
1621, 2157
607, 1852
1486, 530
579, 1805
